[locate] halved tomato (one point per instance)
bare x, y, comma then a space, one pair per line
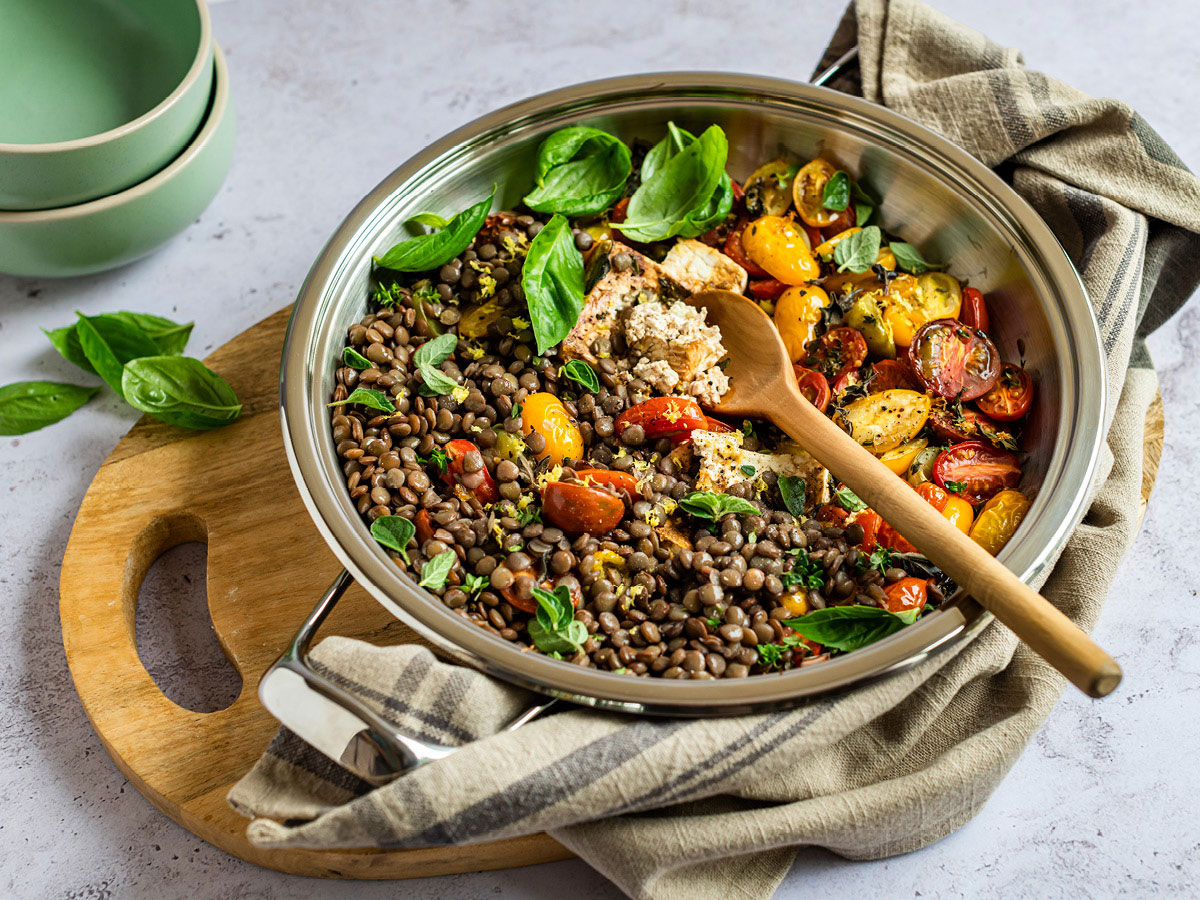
621, 482
958, 423
846, 379
813, 386
841, 221
836, 350
735, 251
974, 310
905, 594
954, 360
998, 519
893, 540
870, 522
882, 421
577, 508
662, 416
898, 459
768, 189
808, 192
890, 374
955, 509
976, 471
766, 288
1012, 395
914, 301
832, 515
478, 482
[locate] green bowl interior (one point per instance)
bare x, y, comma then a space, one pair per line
71, 69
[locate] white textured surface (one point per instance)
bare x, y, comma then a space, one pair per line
331, 96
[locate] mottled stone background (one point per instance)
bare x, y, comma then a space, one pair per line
331, 96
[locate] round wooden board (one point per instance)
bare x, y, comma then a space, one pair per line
267, 567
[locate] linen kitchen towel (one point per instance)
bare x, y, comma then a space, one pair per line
709, 809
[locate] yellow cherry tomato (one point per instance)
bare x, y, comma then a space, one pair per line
796, 603
898, 459
798, 311
768, 189
780, 246
885, 420
545, 414
825, 249
808, 191
860, 281
867, 316
959, 512
911, 302
998, 520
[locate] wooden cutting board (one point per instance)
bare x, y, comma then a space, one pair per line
267, 566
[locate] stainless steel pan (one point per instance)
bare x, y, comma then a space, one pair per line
933, 193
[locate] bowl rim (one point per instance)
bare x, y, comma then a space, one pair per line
216, 111
200, 64
1085, 400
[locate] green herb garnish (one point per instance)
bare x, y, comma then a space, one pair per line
880, 559
864, 206
180, 391
848, 500
429, 220
428, 251
473, 584
909, 258
440, 458
858, 251
747, 470
770, 655
395, 533
954, 487
552, 280
108, 343
705, 505
836, 195
850, 627
793, 490
368, 397
434, 572
806, 573
354, 359
554, 628
581, 373
428, 357
581, 171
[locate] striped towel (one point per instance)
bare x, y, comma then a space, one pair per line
713, 808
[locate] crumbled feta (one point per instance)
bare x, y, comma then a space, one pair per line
699, 267
710, 387
677, 334
721, 457
658, 374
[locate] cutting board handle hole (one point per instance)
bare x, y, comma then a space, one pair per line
176, 641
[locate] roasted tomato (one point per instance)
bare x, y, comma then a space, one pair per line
898, 459
957, 423
954, 360
577, 508
832, 515
735, 251
998, 519
466, 468
890, 374
841, 221
545, 414
813, 386
956, 510
808, 193
798, 312
836, 350
780, 247
766, 289
663, 417
870, 522
867, 316
920, 470
621, 482
769, 189
846, 379
975, 470
1011, 397
530, 604
620, 211
974, 309
882, 421
906, 594
911, 302
424, 526
892, 539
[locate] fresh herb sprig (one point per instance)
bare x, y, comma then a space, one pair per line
554, 628
428, 251
428, 357
704, 505
848, 628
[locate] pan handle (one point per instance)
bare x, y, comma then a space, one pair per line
337, 723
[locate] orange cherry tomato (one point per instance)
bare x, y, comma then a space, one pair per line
781, 247
893, 540
798, 312
1011, 396
955, 509
530, 604
891, 374
976, 471
766, 289
906, 594
479, 482
832, 515
813, 386
621, 482
735, 251
998, 519
808, 193
424, 527
837, 350
663, 417
870, 522
577, 508
545, 414
974, 310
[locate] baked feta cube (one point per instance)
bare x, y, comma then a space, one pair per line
699, 267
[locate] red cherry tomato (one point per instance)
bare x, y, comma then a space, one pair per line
620, 211
530, 604
953, 359
891, 374
621, 482
974, 310
710, 424
767, 289
893, 540
424, 527
663, 417
846, 378
975, 470
577, 508
955, 429
871, 522
832, 515
480, 482
814, 234
843, 220
906, 594
813, 386
1011, 397
735, 251
836, 350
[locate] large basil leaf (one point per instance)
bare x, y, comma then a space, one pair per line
580, 172
29, 405
552, 280
169, 337
179, 390
719, 204
109, 343
850, 627
428, 251
66, 342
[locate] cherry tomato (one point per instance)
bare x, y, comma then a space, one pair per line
577, 508
898, 459
954, 360
545, 414
974, 310
813, 386
977, 469
663, 417
710, 424
914, 301
998, 520
735, 251
1011, 397
620, 211
781, 247
424, 526
832, 515
906, 594
841, 221
948, 424
870, 522
766, 289
837, 349
480, 481
955, 509
621, 482
798, 312
890, 538
808, 192
530, 604
889, 374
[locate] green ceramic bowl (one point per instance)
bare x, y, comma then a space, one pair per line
120, 228
97, 95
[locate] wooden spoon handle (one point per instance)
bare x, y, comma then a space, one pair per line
1031, 617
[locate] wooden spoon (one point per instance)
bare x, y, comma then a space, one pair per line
763, 385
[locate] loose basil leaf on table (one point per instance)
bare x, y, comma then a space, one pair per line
368, 397
554, 628
850, 627
793, 490
836, 196
434, 572
581, 373
109, 343
428, 251
704, 505
395, 533
169, 337
859, 251
552, 280
428, 357
580, 172
180, 391
909, 258
29, 405
66, 342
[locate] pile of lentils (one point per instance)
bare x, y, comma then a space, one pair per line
653, 604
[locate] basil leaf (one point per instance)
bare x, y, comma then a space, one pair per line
170, 337
581, 373
678, 197
109, 343
179, 390
554, 629
552, 280
369, 398
66, 342
836, 195
355, 360
580, 172
704, 505
434, 572
428, 251
29, 405
865, 205
395, 533
909, 258
850, 627
719, 204
848, 500
428, 357
859, 251
430, 220
661, 153
793, 490
747, 470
